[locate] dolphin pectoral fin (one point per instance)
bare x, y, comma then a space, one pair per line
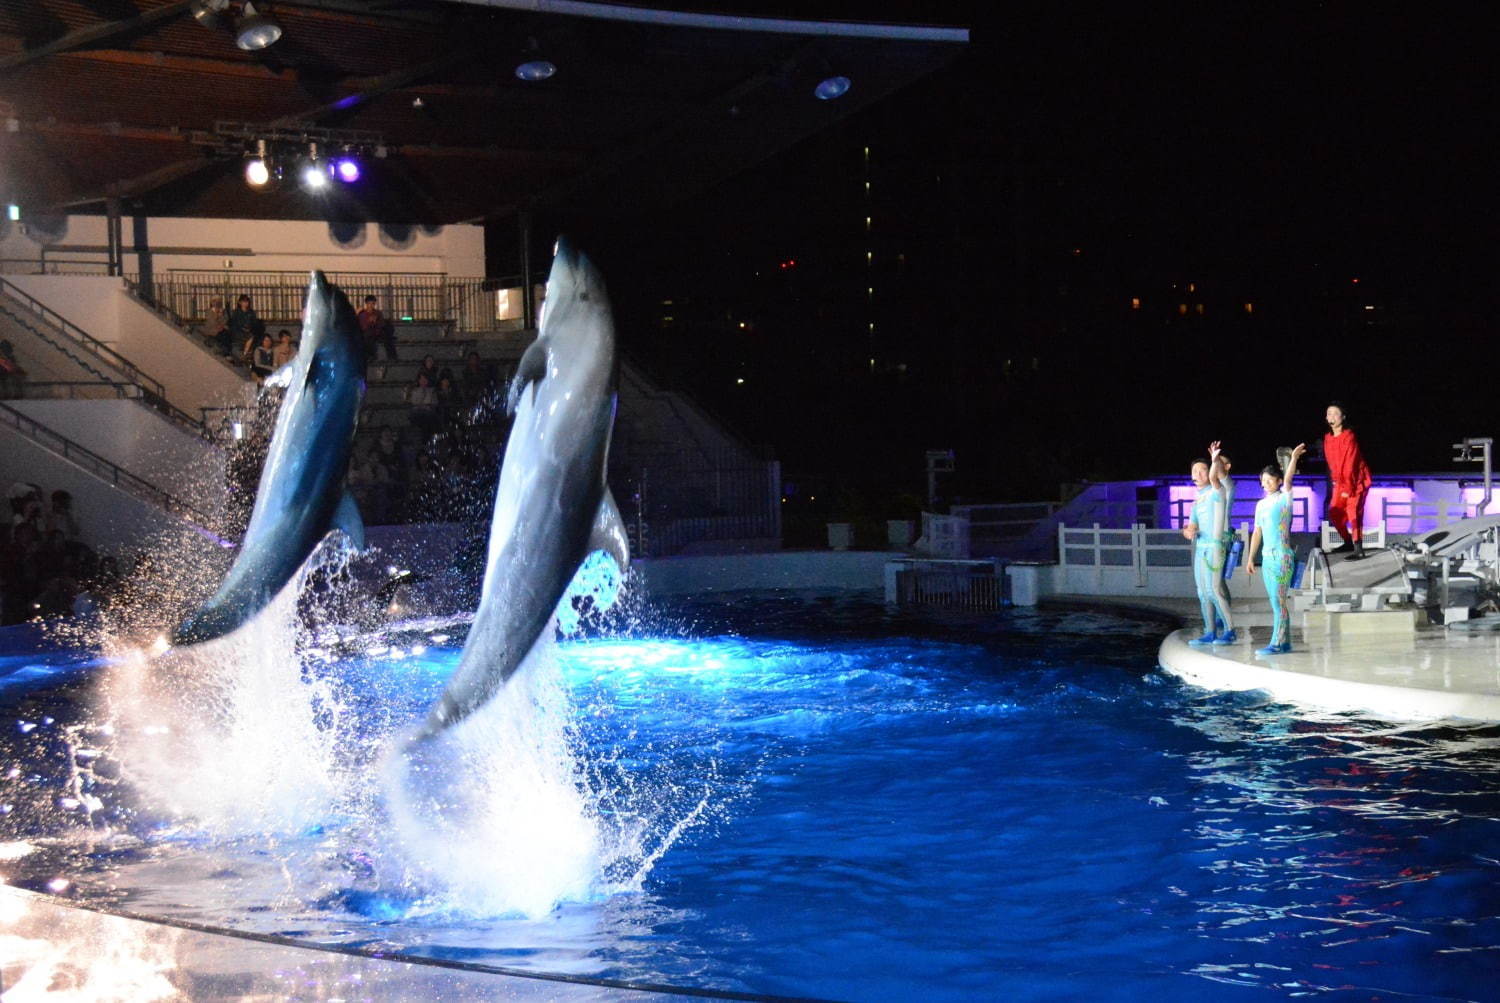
531, 369
609, 535
282, 377
346, 519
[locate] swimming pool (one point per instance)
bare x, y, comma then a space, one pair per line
803, 796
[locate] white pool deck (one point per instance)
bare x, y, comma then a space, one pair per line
1430, 674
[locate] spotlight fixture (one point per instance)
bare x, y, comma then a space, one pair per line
831, 87
346, 169
258, 168
209, 13
257, 172
534, 66
254, 30
314, 177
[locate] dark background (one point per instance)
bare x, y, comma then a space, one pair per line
1328, 167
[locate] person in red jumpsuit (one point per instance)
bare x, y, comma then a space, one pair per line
1351, 480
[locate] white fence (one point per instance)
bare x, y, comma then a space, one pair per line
1098, 560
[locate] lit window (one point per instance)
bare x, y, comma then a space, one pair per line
1369, 307
1192, 287
1182, 309
1135, 302
869, 256
1249, 307
1199, 307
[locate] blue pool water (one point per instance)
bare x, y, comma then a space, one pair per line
811, 796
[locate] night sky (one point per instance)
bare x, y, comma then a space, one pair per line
1068, 164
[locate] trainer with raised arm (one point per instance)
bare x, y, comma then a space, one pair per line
1207, 527
1273, 529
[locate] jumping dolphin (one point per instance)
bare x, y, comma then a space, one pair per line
552, 507
302, 493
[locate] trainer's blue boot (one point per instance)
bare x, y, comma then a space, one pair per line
1228, 637
1203, 641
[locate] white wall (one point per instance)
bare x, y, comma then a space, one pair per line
133, 436
109, 519
270, 245
192, 376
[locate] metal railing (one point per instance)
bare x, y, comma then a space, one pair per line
152, 390
674, 506
1004, 522
460, 302
944, 536
80, 390
1413, 517
100, 467
51, 266
966, 585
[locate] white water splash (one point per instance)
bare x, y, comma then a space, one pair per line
490, 814
231, 734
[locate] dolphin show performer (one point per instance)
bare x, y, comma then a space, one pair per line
1273, 527
1351, 480
1208, 528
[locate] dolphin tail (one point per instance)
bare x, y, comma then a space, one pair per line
346, 519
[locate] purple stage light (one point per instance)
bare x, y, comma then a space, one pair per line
347, 170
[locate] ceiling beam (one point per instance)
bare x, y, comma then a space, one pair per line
374, 87
93, 34
166, 134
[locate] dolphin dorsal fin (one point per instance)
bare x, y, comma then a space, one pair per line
531, 369
346, 519
608, 533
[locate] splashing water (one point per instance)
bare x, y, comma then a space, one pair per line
262, 737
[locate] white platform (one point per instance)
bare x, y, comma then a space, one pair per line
1427, 675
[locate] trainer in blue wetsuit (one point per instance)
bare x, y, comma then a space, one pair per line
1207, 527
1273, 530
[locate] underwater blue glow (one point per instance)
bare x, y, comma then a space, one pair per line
830, 88
1013, 807
536, 69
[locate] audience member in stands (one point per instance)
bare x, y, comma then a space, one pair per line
12, 376
286, 348
60, 515
429, 369
423, 400
245, 328
216, 327
263, 359
449, 404
476, 380
377, 329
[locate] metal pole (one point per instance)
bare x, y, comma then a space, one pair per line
528, 298
112, 226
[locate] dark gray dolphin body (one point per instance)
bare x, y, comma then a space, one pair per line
302, 494
552, 508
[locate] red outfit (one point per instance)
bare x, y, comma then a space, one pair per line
1350, 476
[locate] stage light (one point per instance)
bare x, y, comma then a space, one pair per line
209, 13
830, 88
257, 172
346, 169
254, 30
314, 176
